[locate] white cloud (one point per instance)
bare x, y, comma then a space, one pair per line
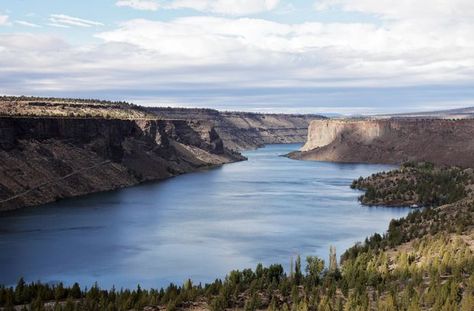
58, 25
4, 20
27, 24
145, 5
315, 50
205, 53
225, 7
244, 52
61, 20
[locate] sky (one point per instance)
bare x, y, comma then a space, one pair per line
315, 56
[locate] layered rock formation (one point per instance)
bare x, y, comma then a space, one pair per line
52, 148
394, 141
45, 159
245, 130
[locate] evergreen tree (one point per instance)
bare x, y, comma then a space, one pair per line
298, 273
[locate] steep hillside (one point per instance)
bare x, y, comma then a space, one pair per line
45, 159
244, 130
395, 141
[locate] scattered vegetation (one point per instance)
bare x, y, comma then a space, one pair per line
416, 184
24, 106
425, 261
456, 218
435, 272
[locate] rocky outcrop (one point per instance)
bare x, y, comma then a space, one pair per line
393, 141
245, 130
323, 133
46, 159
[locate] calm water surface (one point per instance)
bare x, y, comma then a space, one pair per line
198, 226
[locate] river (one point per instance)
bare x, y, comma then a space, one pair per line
200, 225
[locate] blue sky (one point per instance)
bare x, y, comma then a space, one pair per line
322, 56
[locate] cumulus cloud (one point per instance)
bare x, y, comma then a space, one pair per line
256, 62
225, 7
248, 52
62, 20
337, 49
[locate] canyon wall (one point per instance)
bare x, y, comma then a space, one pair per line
245, 130
53, 148
391, 141
46, 159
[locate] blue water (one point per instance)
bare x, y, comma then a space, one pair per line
199, 225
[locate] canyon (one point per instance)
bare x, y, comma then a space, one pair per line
390, 141
55, 148
234, 215
246, 130
46, 159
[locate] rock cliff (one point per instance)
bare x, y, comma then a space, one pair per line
394, 141
53, 148
46, 159
245, 130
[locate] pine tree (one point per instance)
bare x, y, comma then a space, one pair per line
298, 273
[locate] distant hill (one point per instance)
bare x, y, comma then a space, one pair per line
460, 113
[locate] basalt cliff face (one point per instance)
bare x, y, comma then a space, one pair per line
245, 130
46, 159
391, 141
53, 148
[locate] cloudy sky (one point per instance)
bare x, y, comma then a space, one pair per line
342, 56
